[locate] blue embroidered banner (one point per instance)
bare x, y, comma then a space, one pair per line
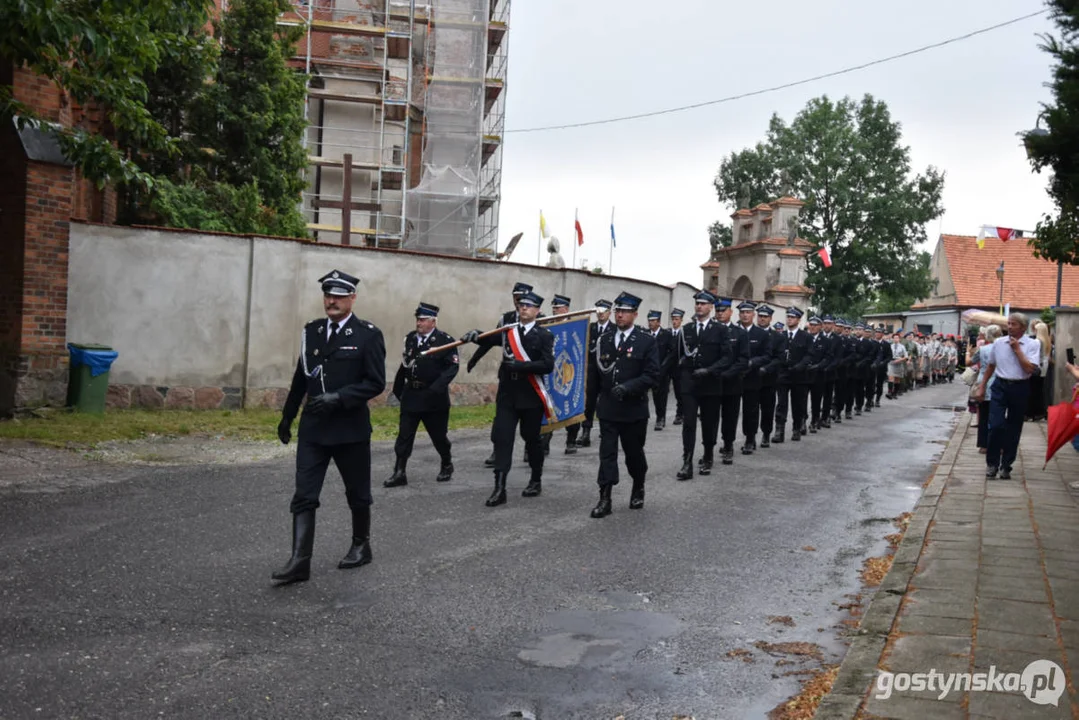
566, 381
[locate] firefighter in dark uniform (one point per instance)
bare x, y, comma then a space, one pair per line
628, 363
768, 370
792, 385
560, 305
832, 346
865, 351
850, 365
757, 343
603, 324
816, 372
508, 318
342, 365
422, 386
665, 347
731, 390
676, 376
703, 356
527, 352
884, 356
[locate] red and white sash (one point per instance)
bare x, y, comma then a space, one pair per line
541, 389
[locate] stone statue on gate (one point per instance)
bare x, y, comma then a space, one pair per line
554, 259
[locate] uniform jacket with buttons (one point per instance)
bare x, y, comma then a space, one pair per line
738, 340
777, 350
759, 347
665, 348
709, 350
352, 364
514, 386
422, 383
793, 371
817, 370
635, 366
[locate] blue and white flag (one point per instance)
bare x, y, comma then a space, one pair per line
565, 384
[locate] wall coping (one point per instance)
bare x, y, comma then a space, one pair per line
360, 248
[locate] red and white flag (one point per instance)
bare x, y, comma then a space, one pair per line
1001, 233
825, 256
577, 228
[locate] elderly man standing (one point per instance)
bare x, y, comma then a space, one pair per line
342, 365
1014, 359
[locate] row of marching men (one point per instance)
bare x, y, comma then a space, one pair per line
719, 369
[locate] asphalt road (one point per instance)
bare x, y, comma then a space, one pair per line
150, 596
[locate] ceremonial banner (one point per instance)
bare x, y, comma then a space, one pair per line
565, 384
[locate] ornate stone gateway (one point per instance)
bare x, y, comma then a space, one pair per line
766, 261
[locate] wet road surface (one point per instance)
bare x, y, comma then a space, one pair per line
151, 596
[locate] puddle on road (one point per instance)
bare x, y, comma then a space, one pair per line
591, 640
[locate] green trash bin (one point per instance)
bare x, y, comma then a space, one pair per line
88, 383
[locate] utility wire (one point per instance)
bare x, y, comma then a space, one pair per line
784, 86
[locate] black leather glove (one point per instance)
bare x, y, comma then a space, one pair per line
324, 404
472, 361
700, 374
284, 430
515, 365
619, 392
470, 336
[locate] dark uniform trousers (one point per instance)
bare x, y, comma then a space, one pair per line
435, 422
632, 435
751, 410
816, 400
353, 364
767, 395
667, 350
791, 386
700, 397
517, 403
636, 368
676, 382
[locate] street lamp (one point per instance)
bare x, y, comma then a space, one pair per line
1000, 276
1030, 135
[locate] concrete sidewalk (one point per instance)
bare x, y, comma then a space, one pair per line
986, 580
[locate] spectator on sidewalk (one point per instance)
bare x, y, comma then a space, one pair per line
982, 357
1036, 406
1015, 358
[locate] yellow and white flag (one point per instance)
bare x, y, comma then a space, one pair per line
543, 227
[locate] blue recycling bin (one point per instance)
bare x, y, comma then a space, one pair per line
88, 382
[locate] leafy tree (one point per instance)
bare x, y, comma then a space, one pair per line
846, 161
99, 51
252, 116
1057, 238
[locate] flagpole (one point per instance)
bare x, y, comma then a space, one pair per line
539, 241
574, 236
610, 256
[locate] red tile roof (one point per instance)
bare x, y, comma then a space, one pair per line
1028, 282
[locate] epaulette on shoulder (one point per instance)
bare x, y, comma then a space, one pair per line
366, 325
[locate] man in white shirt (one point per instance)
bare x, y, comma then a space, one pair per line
1015, 357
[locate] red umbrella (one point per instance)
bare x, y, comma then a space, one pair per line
1063, 425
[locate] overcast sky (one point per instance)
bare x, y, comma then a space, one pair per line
571, 60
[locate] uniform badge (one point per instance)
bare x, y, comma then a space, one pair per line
348, 331
316, 352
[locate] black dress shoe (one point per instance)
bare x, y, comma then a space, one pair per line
796, 436
585, 440
603, 507
1005, 473
764, 441
749, 447
849, 416
687, 469
636, 497
489, 462
571, 449
826, 425
857, 411
445, 473
778, 437
677, 420
990, 473
727, 457
813, 428
533, 489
